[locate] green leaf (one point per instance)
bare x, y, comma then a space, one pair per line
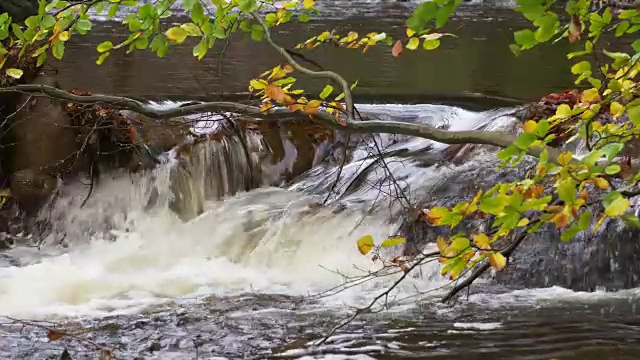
328, 89
105, 46
612, 169
421, 15
585, 220
592, 158
146, 11
102, 58
58, 49
257, 33
567, 190
631, 220
569, 233
525, 140
48, 21
611, 150
14, 73
413, 43
581, 67
200, 50
84, 25
542, 128
192, 29
393, 241
431, 44
248, 5
176, 34
634, 114
525, 38
617, 207
621, 28
493, 205
547, 26
41, 59
113, 10
304, 18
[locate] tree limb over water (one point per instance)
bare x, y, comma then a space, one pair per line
495, 138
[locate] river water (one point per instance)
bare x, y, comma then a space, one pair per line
251, 277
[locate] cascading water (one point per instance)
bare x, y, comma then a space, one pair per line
186, 244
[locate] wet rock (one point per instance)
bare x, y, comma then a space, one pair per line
32, 188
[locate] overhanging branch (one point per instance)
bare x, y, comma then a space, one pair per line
500, 139
348, 99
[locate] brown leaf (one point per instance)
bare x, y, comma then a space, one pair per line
106, 354
561, 220
397, 49
54, 335
575, 29
276, 93
625, 167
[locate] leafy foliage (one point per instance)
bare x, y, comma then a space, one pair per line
563, 189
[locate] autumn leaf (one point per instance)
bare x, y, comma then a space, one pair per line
397, 49
308, 4
54, 335
435, 215
565, 158
575, 29
497, 261
365, 244
311, 107
441, 243
530, 126
276, 93
481, 241
590, 96
601, 183
561, 219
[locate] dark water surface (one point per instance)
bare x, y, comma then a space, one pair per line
478, 60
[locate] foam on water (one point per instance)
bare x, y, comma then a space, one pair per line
269, 241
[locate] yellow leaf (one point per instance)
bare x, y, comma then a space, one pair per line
257, 84
435, 215
523, 222
530, 126
14, 73
308, 4
176, 34
365, 244
497, 261
616, 110
617, 207
590, 96
601, 183
481, 241
312, 107
565, 158
597, 126
410, 32
563, 111
393, 241
64, 36
413, 43
442, 244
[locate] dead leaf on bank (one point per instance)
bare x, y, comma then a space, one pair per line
54, 335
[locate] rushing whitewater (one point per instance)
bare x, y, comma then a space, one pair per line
128, 246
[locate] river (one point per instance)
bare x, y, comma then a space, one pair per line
245, 280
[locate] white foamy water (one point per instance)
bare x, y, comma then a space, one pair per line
269, 241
